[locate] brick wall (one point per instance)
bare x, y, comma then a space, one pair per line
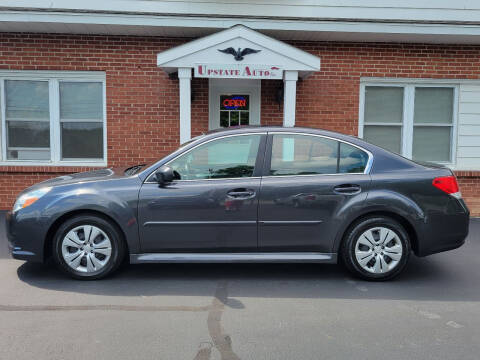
199, 106
469, 183
142, 102
271, 111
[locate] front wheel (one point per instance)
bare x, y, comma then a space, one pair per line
376, 248
88, 247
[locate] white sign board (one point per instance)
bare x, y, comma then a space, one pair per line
238, 71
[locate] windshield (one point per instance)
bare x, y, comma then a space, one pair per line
132, 170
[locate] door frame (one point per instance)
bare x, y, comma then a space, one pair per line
217, 87
147, 219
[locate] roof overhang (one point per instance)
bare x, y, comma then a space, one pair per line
319, 23
270, 52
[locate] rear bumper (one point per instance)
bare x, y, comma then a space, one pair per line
25, 238
443, 231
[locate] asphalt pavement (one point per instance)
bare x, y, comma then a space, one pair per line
243, 311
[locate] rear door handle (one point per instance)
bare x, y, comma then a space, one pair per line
347, 189
241, 194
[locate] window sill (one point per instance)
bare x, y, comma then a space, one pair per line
48, 167
50, 163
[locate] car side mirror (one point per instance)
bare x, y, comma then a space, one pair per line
164, 175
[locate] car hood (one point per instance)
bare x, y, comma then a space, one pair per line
88, 176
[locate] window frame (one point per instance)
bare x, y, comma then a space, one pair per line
258, 168
407, 125
54, 78
218, 87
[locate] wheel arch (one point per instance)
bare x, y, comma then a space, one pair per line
402, 220
47, 250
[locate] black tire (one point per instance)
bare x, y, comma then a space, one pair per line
110, 229
347, 252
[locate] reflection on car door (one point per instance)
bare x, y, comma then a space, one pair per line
213, 204
307, 181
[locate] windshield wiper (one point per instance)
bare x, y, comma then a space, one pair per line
133, 169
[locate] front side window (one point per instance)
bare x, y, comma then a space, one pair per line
308, 155
412, 120
52, 120
351, 159
229, 157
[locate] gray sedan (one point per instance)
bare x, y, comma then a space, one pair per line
261, 194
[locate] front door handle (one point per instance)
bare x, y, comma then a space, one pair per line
347, 189
241, 194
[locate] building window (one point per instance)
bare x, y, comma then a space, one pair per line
52, 118
414, 120
27, 117
81, 118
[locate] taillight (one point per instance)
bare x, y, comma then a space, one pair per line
448, 184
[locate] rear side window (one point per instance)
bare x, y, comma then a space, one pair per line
309, 155
352, 159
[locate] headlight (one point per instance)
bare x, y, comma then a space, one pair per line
29, 198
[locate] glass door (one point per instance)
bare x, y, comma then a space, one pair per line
233, 102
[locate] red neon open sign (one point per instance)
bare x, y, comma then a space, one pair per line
234, 102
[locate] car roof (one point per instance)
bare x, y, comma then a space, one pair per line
382, 159
257, 128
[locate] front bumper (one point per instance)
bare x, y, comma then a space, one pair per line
25, 238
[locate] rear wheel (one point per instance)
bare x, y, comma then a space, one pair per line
376, 248
88, 247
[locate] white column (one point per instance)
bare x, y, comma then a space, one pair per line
184, 77
289, 97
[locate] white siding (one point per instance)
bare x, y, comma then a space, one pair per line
468, 144
417, 21
406, 10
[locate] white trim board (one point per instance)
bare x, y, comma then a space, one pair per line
138, 24
407, 10
434, 81
46, 74
205, 50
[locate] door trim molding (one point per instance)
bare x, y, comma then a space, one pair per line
291, 222
153, 223
283, 257
246, 222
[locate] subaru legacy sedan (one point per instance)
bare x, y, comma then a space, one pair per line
252, 194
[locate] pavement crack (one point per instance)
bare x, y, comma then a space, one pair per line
102, 308
221, 341
204, 352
